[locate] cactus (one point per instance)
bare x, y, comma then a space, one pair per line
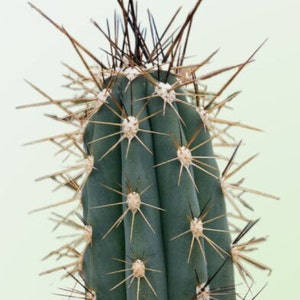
154, 212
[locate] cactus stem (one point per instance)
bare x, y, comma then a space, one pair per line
127, 137
139, 270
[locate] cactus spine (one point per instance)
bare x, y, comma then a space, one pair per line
149, 192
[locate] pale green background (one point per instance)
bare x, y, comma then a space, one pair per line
31, 48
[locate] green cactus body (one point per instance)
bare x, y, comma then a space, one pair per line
157, 230
149, 192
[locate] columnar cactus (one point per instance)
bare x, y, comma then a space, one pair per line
148, 189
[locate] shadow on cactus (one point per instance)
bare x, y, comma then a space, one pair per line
147, 197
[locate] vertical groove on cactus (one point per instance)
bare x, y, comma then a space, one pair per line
157, 214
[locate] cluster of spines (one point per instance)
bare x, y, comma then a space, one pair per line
167, 55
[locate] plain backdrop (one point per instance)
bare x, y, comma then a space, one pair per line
31, 48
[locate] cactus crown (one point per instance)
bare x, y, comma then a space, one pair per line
147, 190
